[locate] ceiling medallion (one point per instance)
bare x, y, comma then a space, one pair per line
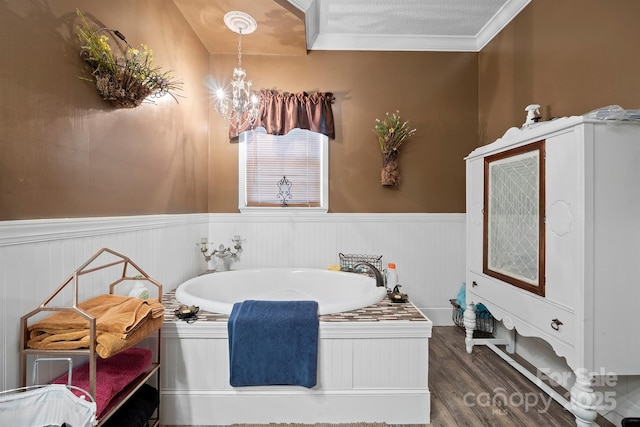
240, 22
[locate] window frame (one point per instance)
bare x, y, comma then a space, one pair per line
242, 181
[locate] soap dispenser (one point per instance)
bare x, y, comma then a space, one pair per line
139, 291
392, 277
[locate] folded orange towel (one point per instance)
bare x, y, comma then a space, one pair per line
121, 322
69, 340
110, 344
113, 313
107, 343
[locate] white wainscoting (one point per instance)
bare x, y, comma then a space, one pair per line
36, 256
428, 249
364, 369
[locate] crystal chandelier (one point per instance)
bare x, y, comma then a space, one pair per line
241, 109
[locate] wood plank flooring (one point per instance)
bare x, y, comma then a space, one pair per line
463, 387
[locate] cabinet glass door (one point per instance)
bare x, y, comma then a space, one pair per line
513, 235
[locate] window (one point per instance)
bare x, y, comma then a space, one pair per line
283, 171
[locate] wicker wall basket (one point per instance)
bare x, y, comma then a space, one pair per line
390, 173
123, 76
121, 90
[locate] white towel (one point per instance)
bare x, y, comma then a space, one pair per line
51, 405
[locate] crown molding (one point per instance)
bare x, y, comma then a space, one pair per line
499, 21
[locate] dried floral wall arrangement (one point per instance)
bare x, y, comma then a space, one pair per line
392, 133
124, 76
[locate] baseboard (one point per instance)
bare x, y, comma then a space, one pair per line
284, 405
440, 316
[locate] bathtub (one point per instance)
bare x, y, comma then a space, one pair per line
372, 362
335, 291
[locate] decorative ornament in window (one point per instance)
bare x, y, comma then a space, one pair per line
124, 76
284, 191
392, 133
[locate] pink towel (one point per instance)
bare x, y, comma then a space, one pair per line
112, 374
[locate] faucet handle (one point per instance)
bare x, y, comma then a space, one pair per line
372, 268
237, 241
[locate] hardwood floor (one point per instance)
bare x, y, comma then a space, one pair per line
464, 386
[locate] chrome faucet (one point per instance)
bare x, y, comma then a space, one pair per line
221, 253
374, 270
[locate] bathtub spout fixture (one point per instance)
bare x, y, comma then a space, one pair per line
221, 254
374, 270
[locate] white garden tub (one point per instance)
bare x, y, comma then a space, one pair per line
335, 291
372, 367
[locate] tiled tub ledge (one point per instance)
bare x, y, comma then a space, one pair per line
369, 360
383, 310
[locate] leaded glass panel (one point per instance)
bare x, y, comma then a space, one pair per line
514, 238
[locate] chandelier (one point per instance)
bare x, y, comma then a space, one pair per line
241, 108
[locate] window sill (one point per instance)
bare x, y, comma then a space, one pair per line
282, 211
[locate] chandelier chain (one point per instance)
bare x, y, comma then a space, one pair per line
240, 48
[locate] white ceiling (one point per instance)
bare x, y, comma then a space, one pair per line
422, 25
293, 27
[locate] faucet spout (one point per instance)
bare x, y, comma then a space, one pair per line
374, 270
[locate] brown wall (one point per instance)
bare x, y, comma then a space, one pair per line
436, 92
568, 56
66, 153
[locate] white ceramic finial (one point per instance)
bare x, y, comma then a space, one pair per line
532, 111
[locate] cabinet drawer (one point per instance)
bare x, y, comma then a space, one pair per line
531, 314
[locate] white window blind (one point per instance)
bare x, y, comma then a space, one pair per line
287, 168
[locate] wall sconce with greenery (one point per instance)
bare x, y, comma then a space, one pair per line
392, 133
124, 76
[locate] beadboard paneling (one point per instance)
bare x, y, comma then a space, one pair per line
428, 249
36, 256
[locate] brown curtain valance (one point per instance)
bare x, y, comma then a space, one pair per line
280, 112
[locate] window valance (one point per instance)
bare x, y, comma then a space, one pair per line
281, 112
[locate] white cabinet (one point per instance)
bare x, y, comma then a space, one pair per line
588, 245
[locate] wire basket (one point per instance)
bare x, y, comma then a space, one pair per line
485, 322
347, 261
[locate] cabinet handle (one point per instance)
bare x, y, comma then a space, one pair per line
474, 284
555, 324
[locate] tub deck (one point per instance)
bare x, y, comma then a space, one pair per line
372, 367
383, 310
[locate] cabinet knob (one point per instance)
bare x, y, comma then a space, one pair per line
474, 284
555, 324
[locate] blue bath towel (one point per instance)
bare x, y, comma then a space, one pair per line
273, 343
